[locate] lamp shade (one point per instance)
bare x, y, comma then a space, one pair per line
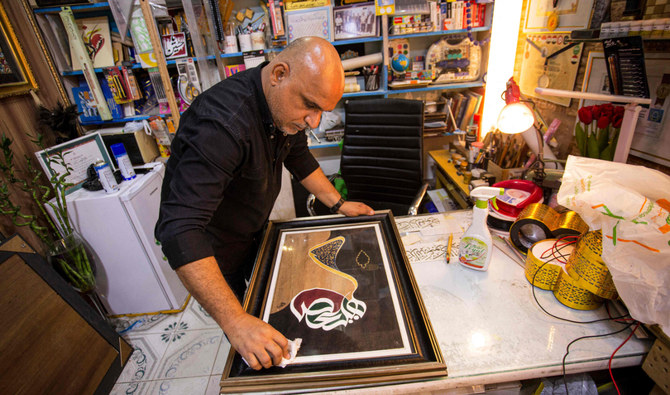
515, 118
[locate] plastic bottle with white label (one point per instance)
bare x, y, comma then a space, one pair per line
127, 171
474, 251
105, 176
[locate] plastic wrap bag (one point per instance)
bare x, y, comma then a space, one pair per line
631, 204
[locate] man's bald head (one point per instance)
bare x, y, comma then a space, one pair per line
303, 80
313, 56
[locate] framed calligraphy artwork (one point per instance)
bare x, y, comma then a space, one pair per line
16, 77
345, 287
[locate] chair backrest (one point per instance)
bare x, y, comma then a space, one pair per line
381, 152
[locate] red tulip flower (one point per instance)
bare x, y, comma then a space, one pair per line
616, 120
595, 110
604, 121
619, 110
585, 115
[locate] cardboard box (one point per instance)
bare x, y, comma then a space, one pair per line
141, 147
504, 174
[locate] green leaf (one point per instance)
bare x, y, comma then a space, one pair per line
592, 147
602, 136
580, 138
608, 152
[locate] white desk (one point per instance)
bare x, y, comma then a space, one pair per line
490, 329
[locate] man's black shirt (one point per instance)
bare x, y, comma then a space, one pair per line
224, 174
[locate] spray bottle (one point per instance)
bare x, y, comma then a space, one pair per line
476, 244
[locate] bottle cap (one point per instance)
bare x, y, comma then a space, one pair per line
118, 149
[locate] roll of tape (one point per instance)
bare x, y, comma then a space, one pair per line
587, 269
540, 222
568, 292
532, 226
541, 270
498, 223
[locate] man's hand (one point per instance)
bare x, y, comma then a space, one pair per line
259, 343
354, 209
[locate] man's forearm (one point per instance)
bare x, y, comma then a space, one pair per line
203, 279
318, 184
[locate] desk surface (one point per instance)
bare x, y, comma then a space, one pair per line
488, 326
442, 158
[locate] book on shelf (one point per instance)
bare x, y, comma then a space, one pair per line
470, 109
55, 36
97, 39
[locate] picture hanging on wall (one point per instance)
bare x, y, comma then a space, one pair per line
310, 22
565, 16
16, 77
345, 287
355, 21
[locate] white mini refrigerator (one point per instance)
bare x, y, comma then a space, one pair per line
133, 275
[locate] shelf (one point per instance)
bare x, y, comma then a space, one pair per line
75, 8
335, 43
98, 70
462, 85
135, 66
115, 121
327, 144
357, 41
379, 92
122, 120
438, 33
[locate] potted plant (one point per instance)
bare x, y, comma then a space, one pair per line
597, 130
65, 249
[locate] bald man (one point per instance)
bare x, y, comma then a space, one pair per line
224, 175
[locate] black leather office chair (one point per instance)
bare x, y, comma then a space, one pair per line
381, 161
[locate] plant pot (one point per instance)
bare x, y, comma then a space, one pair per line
72, 258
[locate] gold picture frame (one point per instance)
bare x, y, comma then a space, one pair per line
16, 77
345, 287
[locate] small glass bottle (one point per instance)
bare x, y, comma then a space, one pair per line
127, 171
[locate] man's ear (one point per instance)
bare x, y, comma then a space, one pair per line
280, 72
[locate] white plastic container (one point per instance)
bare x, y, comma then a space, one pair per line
119, 151
476, 244
106, 176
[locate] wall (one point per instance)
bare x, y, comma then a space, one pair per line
19, 113
567, 115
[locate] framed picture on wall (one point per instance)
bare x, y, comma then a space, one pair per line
345, 287
557, 17
16, 77
355, 21
310, 22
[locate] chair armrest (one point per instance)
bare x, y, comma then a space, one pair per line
311, 198
414, 207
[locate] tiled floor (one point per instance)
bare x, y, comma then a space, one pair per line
182, 353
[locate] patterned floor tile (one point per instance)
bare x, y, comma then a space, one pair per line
143, 363
214, 386
221, 357
195, 317
184, 386
136, 388
190, 354
154, 323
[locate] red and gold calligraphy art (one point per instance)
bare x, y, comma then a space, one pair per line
321, 294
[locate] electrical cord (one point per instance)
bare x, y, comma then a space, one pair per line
609, 364
567, 350
557, 255
561, 318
